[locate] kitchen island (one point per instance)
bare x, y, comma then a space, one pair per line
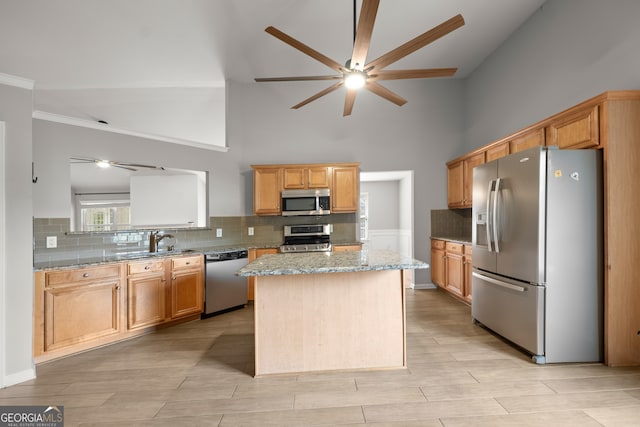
324, 311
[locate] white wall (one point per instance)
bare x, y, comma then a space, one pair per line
567, 52
16, 303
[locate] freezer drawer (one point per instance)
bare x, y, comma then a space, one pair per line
513, 309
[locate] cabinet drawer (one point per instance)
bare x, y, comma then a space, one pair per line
186, 262
454, 248
437, 244
468, 250
145, 267
63, 277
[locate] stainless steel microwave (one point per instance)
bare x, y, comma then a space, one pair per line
306, 202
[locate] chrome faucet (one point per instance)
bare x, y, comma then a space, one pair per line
154, 238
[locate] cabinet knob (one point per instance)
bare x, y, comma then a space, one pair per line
188, 262
147, 267
117, 287
85, 275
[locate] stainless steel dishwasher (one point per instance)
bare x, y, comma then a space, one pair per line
224, 291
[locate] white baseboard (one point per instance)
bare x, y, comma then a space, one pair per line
424, 286
19, 377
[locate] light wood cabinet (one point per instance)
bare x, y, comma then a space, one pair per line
252, 255
451, 268
267, 186
454, 268
342, 179
460, 180
528, 139
438, 262
468, 269
80, 306
187, 286
579, 129
345, 192
77, 309
306, 177
146, 294
497, 151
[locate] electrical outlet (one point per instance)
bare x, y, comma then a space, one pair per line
250, 231
218, 232
52, 242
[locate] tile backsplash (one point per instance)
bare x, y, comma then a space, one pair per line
268, 231
453, 223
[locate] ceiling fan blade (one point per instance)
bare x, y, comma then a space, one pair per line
318, 95
305, 49
349, 100
116, 165
416, 43
363, 33
136, 165
382, 91
296, 79
412, 74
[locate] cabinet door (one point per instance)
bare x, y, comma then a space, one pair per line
468, 269
497, 151
527, 140
75, 314
344, 192
146, 305
454, 268
578, 129
437, 262
267, 185
318, 177
469, 164
455, 185
293, 178
187, 293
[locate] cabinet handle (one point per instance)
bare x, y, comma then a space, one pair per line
85, 275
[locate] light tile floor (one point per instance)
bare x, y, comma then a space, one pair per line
200, 374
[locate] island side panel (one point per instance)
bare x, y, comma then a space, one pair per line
333, 321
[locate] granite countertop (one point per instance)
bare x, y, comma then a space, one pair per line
329, 262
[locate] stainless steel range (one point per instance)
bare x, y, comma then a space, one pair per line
307, 238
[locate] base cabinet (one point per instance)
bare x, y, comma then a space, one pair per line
451, 268
83, 308
146, 294
187, 286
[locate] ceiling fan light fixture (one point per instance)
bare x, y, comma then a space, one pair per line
354, 79
103, 164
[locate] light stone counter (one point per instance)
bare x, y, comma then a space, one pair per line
329, 262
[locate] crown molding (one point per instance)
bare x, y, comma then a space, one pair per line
21, 82
74, 121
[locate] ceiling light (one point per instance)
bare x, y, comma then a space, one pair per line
354, 79
103, 164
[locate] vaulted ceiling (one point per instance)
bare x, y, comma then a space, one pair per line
160, 66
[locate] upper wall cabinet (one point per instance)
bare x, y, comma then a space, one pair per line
526, 140
579, 129
306, 177
342, 179
460, 180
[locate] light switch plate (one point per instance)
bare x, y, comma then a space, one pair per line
218, 232
52, 242
250, 231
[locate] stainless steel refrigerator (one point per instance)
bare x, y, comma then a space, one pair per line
537, 252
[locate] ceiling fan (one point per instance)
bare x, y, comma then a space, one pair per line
357, 73
110, 163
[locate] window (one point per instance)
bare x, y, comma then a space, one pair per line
102, 212
364, 216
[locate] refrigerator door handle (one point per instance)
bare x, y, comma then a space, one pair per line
499, 282
488, 227
496, 224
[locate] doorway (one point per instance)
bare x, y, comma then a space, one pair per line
386, 212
